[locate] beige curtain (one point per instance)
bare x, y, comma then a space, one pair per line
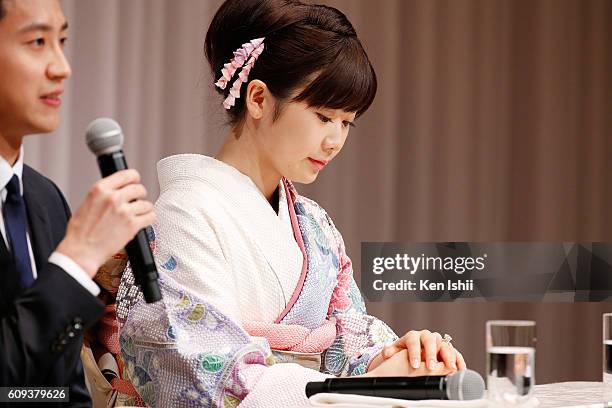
492, 123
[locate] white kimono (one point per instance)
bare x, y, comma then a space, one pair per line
246, 293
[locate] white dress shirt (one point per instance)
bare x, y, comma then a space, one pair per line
72, 268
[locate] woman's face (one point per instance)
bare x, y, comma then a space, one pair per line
303, 140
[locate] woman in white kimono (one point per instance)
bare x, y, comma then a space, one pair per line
253, 274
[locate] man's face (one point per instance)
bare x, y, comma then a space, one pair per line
33, 66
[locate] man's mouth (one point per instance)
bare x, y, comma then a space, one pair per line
52, 99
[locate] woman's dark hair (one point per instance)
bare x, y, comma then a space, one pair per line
2, 11
307, 46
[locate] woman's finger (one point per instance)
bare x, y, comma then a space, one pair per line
448, 355
395, 347
461, 365
413, 345
429, 343
438, 369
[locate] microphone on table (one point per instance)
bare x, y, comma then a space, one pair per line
462, 386
105, 139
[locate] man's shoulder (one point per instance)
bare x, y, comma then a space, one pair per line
40, 185
33, 175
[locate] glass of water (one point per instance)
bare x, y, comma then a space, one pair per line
607, 358
510, 361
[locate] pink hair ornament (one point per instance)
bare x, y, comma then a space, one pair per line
244, 57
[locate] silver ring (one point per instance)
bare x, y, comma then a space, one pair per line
447, 339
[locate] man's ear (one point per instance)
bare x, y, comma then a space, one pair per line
258, 99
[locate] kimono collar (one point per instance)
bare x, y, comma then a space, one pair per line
272, 232
184, 167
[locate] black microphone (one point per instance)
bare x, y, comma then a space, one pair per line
462, 386
105, 139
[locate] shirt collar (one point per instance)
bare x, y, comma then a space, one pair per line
6, 171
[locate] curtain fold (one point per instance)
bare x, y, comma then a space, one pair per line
492, 123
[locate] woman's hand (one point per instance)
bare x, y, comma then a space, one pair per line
423, 346
397, 366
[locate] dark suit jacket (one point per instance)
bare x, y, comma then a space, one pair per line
42, 327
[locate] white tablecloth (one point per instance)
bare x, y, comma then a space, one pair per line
570, 394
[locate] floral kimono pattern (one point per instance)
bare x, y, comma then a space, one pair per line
185, 352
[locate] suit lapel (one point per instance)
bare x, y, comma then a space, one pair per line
9, 286
38, 222
5, 255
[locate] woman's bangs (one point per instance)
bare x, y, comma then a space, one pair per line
347, 83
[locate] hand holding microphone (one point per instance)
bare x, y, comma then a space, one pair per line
114, 214
113, 211
105, 140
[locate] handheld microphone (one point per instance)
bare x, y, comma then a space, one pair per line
105, 139
462, 386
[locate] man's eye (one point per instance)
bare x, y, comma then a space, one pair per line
323, 118
39, 42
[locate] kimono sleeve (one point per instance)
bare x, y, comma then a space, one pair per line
360, 337
189, 349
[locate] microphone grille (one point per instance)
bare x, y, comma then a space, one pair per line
465, 385
104, 135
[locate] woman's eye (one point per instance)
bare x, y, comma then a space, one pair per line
63, 41
346, 123
323, 118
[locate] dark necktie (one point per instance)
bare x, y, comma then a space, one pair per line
15, 219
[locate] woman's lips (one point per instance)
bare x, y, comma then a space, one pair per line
319, 164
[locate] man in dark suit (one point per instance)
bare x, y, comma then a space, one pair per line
47, 258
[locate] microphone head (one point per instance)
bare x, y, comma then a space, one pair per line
104, 136
465, 385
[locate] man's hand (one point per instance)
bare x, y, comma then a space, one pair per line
111, 215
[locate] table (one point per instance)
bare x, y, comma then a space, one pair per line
570, 394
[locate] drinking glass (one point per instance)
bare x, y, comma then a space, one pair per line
510, 361
607, 359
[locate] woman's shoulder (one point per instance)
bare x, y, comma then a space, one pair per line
189, 201
190, 180
181, 171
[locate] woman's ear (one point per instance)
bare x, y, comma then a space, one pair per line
257, 99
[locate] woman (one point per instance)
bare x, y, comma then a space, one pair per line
254, 274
